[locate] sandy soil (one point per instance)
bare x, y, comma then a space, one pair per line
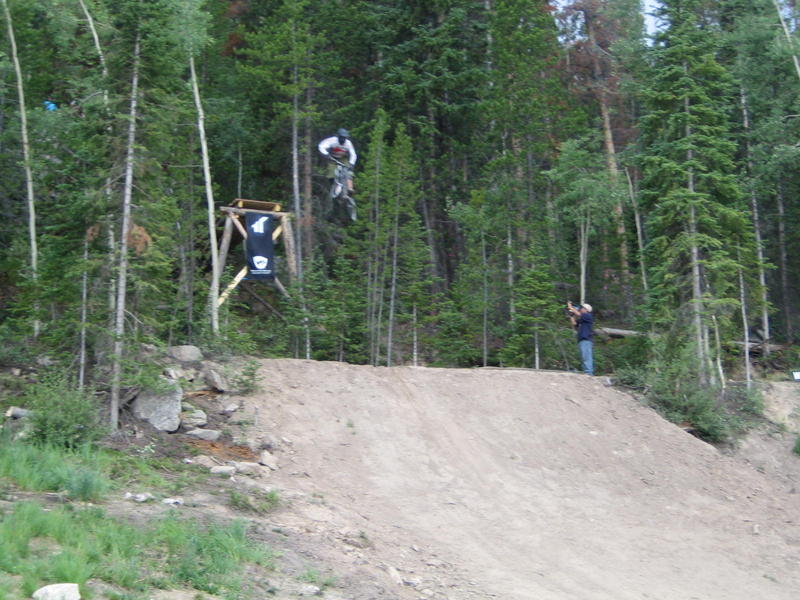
514, 484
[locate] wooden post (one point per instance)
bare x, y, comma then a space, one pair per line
225, 244
288, 244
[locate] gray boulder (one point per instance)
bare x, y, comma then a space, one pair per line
185, 353
209, 435
227, 470
161, 409
194, 418
214, 377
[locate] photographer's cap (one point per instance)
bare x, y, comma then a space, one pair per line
587, 307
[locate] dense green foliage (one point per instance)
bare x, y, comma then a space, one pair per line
512, 156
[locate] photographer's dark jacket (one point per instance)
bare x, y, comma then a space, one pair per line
584, 324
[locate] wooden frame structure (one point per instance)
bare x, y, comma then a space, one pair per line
233, 219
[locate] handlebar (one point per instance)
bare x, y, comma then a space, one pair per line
341, 164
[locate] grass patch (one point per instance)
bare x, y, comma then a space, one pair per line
796, 448
68, 544
257, 502
89, 473
76, 473
155, 473
315, 577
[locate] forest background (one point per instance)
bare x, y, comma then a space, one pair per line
513, 156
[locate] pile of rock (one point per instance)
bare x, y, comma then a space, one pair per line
167, 410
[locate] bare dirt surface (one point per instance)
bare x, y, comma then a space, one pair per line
412, 483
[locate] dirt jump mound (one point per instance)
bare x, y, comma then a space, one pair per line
518, 485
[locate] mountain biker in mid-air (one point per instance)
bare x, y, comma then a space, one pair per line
339, 147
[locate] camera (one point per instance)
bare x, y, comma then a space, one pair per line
573, 306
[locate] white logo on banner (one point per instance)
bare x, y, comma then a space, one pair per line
260, 262
258, 226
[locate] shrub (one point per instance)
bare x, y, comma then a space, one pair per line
247, 377
62, 415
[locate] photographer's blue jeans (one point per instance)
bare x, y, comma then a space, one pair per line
585, 346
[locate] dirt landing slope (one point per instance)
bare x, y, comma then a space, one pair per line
520, 485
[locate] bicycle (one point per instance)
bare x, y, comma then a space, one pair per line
339, 194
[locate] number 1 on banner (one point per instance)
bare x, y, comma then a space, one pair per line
258, 226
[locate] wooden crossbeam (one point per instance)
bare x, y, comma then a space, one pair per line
236, 280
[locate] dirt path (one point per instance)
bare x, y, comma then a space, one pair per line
518, 485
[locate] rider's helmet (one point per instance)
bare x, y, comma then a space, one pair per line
342, 134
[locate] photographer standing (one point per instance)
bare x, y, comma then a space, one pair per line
583, 321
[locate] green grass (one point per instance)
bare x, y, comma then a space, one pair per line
68, 544
75, 473
257, 502
796, 448
74, 543
88, 473
314, 577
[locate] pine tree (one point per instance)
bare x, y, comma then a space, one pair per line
533, 329
690, 187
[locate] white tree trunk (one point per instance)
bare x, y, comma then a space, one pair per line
393, 282
583, 234
701, 334
746, 331
415, 339
639, 230
84, 313
788, 36
96, 38
26, 163
510, 272
485, 285
213, 292
762, 279
783, 258
122, 273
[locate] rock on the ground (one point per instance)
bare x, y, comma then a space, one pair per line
194, 418
268, 460
214, 378
223, 470
185, 353
58, 591
15, 412
161, 409
209, 435
230, 408
206, 461
144, 497
250, 468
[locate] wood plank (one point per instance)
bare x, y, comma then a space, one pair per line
281, 289
240, 227
236, 281
243, 211
247, 288
256, 204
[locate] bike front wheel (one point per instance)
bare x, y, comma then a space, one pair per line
350, 204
